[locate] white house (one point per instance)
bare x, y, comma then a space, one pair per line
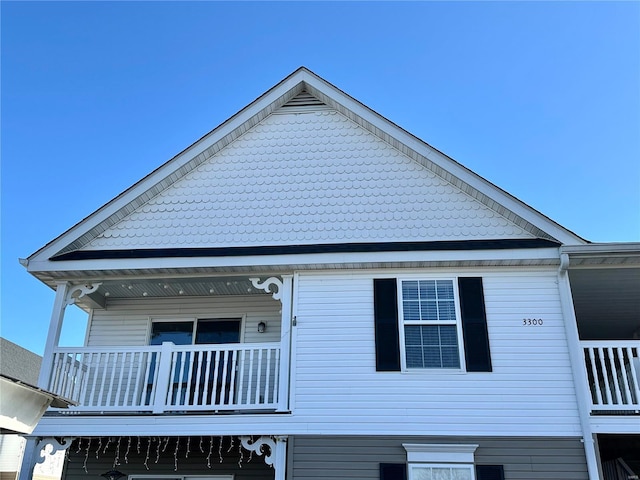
309, 291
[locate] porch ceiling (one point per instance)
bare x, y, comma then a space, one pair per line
173, 287
606, 302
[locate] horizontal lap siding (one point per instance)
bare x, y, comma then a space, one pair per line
529, 392
359, 457
126, 322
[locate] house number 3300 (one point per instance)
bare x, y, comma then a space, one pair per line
531, 321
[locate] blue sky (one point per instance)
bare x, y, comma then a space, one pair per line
540, 98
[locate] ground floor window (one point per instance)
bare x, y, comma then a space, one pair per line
440, 461
440, 472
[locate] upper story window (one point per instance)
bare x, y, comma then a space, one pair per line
430, 324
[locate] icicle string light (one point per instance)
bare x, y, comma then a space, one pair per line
201, 449
186, 455
158, 449
116, 460
166, 442
231, 445
86, 456
107, 445
146, 460
175, 455
126, 455
138, 446
210, 450
220, 449
240, 452
99, 447
79, 445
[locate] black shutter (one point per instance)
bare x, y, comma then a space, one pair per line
474, 324
489, 472
393, 471
385, 314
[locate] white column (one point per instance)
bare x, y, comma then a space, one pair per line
280, 462
28, 459
35, 452
285, 342
53, 337
583, 394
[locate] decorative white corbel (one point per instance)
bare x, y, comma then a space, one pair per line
258, 447
271, 281
56, 446
78, 291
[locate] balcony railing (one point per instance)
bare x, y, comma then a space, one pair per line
169, 377
613, 373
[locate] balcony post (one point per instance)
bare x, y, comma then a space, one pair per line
285, 342
578, 368
163, 380
53, 336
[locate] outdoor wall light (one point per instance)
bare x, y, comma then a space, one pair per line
262, 327
113, 475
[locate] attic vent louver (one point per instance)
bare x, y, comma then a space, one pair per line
302, 102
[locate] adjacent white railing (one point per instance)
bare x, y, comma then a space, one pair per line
169, 377
613, 373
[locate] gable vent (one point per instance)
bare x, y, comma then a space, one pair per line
303, 102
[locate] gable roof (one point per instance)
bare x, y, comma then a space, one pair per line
395, 157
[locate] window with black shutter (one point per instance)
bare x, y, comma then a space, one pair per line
431, 323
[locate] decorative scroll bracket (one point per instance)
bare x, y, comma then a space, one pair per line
266, 286
78, 291
258, 447
62, 445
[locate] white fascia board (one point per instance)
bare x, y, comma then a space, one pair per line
599, 249
306, 259
456, 169
169, 167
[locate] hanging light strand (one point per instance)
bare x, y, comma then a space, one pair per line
210, 450
126, 455
146, 460
86, 456
99, 447
175, 455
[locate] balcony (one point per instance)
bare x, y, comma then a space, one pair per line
168, 378
613, 373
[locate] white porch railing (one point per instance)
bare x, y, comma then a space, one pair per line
169, 377
613, 373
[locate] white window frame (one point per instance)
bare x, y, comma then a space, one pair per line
466, 466
440, 456
402, 323
194, 321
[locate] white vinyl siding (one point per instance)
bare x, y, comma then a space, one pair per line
336, 387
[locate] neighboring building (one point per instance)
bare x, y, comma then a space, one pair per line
21, 364
309, 291
21, 405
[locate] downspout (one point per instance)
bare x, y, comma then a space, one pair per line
577, 359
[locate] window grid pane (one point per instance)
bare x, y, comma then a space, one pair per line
431, 346
429, 314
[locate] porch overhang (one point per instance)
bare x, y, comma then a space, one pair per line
23, 405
